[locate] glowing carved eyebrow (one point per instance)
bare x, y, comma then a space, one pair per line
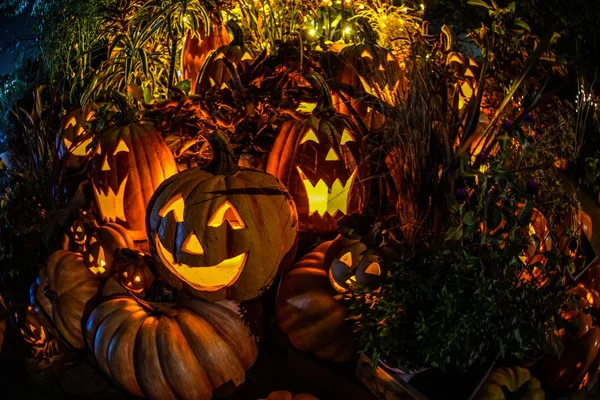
175, 204
310, 135
227, 212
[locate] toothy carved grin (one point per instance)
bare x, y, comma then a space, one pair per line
324, 200
209, 278
110, 203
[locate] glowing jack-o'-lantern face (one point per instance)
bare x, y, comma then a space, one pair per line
318, 161
134, 271
30, 328
350, 262
73, 141
128, 165
101, 246
221, 235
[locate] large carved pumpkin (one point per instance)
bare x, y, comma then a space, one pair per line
197, 48
72, 140
214, 71
167, 351
64, 289
319, 161
129, 164
308, 312
101, 245
516, 381
222, 231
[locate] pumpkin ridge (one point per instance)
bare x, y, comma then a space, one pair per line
54, 272
104, 311
122, 351
104, 334
184, 323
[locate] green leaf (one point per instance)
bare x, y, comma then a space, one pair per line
522, 24
479, 3
184, 85
469, 219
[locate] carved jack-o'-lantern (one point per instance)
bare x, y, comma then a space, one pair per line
80, 230
129, 164
134, 271
100, 248
31, 329
72, 141
222, 231
197, 48
363, 68
214, 72
318, 160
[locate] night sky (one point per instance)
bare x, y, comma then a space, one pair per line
10, 28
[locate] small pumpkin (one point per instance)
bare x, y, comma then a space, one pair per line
579, 363
284, 395
133, 269
308, 312
80, 230
319, 161
351, 261
167, 351
100, 248
31, 328
575, 224
129, 164
72, 141
510, 383
221, 231
64, 288
196, 49
214, 72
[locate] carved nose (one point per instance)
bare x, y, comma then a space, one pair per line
105, 166
331, 156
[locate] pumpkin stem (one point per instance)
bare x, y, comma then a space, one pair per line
223, 162
238, 34
368, 33
317, 82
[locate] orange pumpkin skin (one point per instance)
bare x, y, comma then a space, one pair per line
167, 351
575, 362
72, 140
307, 312
64, 289
128, 166
576, 223
319, 161
222, 232
283, 395
214, 72
197, 48
134, 271
100, 248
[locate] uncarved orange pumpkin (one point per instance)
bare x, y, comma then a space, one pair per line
127, 167
65, 287
167, 351
308, 313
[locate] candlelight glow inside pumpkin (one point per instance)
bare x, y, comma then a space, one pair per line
209, 228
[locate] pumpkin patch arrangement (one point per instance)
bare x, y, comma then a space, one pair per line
401, 205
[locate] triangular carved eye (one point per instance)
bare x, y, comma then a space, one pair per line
347, 259
227, 212
366, 54
346, 137
121, 146
373, 269
247, 57
192, 245
310, 136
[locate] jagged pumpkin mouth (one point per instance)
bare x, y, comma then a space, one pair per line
323, 199
111, 203
207, 278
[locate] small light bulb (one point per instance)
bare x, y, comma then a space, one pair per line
404, 9
422, 6
348, 1
312, 32
185, 19
347, 30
